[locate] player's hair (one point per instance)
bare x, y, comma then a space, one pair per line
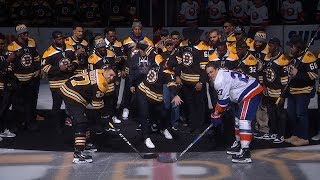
107, 29
213, 64
221, 43
76, 25
2, 36
175, 33
215, 30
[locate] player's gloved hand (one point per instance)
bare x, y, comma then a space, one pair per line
216, 119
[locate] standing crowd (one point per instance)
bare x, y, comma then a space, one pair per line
164, 83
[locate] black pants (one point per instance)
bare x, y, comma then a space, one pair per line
148, 108
194, 102
80, 123
25, 102
57, 115
277, 116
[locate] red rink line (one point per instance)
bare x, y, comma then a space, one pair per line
161, 171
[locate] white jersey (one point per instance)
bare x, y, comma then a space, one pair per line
189, 11
234, 86
291, 11
258, 15
216, 11
239, 8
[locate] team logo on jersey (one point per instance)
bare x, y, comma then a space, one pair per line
40, 12
187, 58
65, 11
214, 11
64, 61
255, 16
26, 60
152, 76
115, 9
192, 11
290, 12
270, 74
89, 14
260, 64
237, 9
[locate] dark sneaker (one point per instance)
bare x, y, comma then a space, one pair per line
243, 156
269, 136
80, 157
278, 140
174, 128
138, 128
259, 135
89, 148
154, 127
235, 148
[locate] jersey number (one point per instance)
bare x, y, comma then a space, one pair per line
85, 81
240, 76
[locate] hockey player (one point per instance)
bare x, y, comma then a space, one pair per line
77, 92
303, 71
223, 57
240, 35
247, 62
8, 84
59, 62
101, 59
193, 56
80, 46
26, 65
228, 28
236, 87
274, 79
150, 97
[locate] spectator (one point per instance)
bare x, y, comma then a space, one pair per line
90, 14
4, 13
21, 12
292, 12
259, 17
238, 10
42, 13
216, 12
189, 13
65, 12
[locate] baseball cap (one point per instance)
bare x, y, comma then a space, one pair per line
275, 40
57, 34
295, 39
164, 32
239, 29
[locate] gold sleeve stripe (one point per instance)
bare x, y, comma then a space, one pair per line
47, 68
97, 104
24, 77
172, 84
1, 86
57, 84
304, 90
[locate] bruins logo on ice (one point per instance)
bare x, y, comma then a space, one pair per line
152, 76
270, 74
26, 60
187, 58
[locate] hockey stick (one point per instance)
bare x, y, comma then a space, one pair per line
143, 155
297, 65
166, 159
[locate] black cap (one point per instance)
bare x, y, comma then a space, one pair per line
239, 30
241, 44
275, 41
56, 34
164, 32
294, 40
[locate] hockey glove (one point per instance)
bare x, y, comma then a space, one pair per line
216, 119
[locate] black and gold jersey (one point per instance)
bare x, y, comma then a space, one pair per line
275, 75
129, 41
228, 61
65, 10
41, 10
248, 65
51, 59
232, 45
120, 56
259, 55
90, 11
231, 42
3, 69
191, 58
85, 88
82, 58
304, 81
152, 86
27, 62
97, 62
